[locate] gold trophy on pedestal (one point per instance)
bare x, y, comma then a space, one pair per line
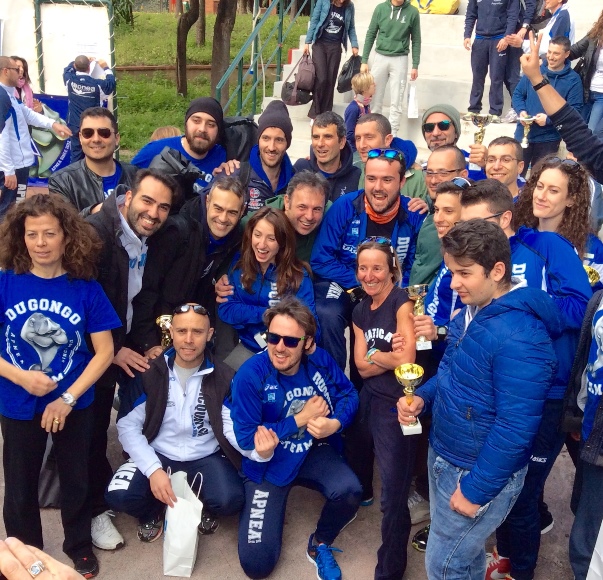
481, 122
526, 129
165, 322
409, 376
416, 293
593, 275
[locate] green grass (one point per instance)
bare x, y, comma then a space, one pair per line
148, 101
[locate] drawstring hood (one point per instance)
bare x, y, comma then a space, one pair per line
399, 9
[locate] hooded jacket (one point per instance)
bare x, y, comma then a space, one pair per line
491, 19
344, 228
262, 396
318, 22
566, 82
259, 186
488, 395
343, 181
393, 27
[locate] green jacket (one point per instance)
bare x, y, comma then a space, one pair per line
304, 244
394, 27
428, 256
415, 186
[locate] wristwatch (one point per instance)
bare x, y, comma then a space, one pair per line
441, 332
68, 399
543, 83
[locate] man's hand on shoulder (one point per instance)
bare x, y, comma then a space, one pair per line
418, 205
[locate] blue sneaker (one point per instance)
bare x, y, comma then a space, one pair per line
322, 557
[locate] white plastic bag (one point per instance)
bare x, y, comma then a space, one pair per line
413, 104
181, 522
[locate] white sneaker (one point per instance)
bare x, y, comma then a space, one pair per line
104, 534
419, 508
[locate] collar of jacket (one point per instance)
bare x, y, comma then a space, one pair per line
358, 204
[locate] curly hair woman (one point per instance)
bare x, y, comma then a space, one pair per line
48, 304
267, 270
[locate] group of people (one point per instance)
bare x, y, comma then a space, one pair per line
263, 265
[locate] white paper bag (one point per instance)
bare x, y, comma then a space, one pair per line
413, 104
181, 522
595, 570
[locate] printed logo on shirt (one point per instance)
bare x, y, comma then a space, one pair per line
256, 516
372, 333
134, 263
255, 202
402, 248
199, 417
296, 407
123, 477
334, 291
519, 271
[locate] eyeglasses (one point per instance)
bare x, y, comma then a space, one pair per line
441, 125
461, 182
196, 308
103, 132
392, 154
12, 68
494, 215
290, 341
442, 173
505, 159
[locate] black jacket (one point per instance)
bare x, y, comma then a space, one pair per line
84, 188
154, 384
588, 49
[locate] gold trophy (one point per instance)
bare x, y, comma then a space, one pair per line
481, 122
593, 275
416, 293
165, 322
526, 129
409, 376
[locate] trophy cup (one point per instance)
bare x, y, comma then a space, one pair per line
593, 275
164, 322
409, 376
481, 122
416, 293
526, 129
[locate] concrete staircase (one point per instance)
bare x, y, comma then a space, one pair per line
444, 74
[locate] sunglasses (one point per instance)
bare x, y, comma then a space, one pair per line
392, 154
461, 182
441, 125
196, 308
103, 132
290, 341
378, 240
569, 163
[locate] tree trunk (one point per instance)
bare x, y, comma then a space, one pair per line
185, 23
225, 21
201, 25
293, 9
178, 8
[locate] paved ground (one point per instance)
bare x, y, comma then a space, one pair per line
217, 556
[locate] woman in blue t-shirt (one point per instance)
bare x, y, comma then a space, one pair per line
266, 270
384, 315
49, 307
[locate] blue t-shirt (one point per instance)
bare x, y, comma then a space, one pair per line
594, 375
44, 323
111, 182
214, 158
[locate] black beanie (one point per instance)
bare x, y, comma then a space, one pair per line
207, 105
276, 115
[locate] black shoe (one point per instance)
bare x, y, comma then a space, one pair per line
419, 540
546, 522
86, 566
208, 524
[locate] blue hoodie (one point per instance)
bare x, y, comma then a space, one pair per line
548, 261
566, 82
261, 395
488, 395
244, 310
344, 228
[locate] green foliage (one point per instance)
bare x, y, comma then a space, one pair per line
123, 12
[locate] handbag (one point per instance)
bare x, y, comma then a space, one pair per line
350, 68
181, 522
305, 74
291, 94
413, 105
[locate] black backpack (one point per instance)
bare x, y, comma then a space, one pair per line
240, 135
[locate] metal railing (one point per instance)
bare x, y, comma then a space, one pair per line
246, 94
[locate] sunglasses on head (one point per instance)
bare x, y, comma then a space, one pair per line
392, 154
103, 132
441, 125
461, 182
196, 308
290, 341
569, 163
378, 240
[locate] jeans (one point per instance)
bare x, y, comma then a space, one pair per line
455, 550
596, 112
518, 538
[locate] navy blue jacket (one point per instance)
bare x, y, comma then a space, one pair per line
84, 92
491, 18
488, 395
318, 22
566, 82
260, 189
343, 181
5, 109
344, 228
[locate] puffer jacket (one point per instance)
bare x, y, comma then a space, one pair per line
318, 22
488, 395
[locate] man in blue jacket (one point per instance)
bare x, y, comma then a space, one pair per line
296, 392
543, 138
83, 92
484, 421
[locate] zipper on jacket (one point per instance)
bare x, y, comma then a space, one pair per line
468, 415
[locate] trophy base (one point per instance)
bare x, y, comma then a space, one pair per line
415, 429
423, 345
